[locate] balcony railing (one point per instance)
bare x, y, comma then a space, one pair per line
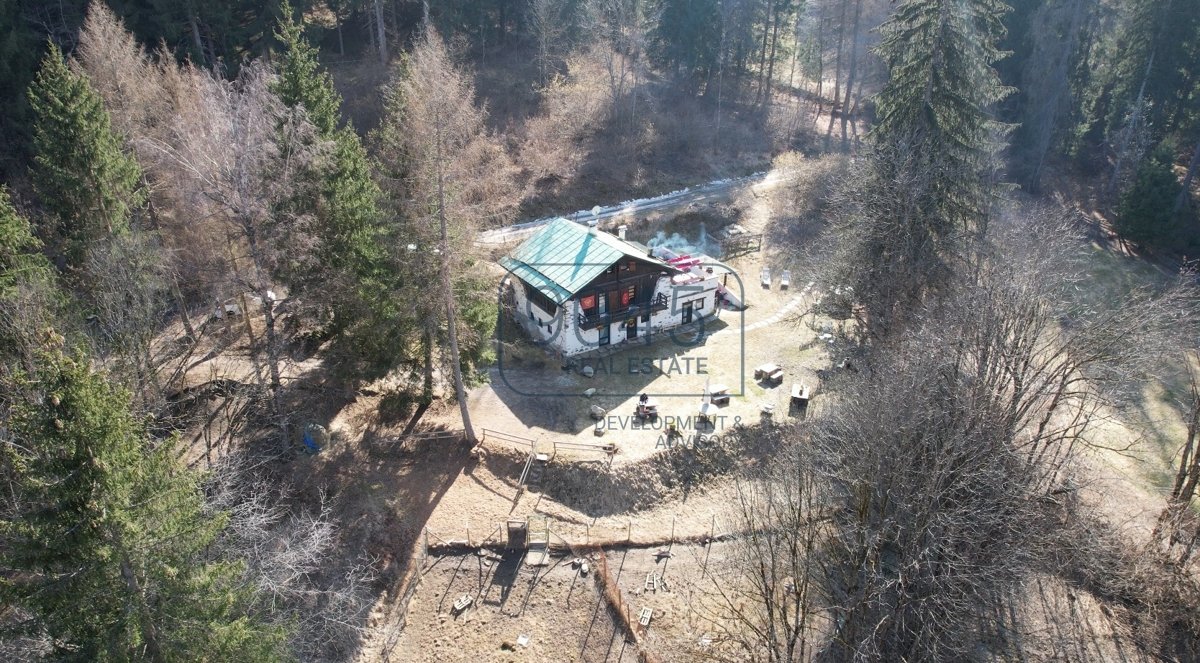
594, 320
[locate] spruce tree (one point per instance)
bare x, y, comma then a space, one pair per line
302, 82
106, 535
1145, 214
353, 269
918, 203
84, 178
20, 251
29, 298
687, 36
937, 104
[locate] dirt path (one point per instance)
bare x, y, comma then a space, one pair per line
716, 191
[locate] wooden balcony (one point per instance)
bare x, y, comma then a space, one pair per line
596, 320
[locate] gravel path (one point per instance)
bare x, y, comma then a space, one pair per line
787, 309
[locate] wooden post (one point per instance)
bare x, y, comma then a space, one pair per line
629, 531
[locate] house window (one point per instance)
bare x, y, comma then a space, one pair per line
627, 296
540, 299
698, 304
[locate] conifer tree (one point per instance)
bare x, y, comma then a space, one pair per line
83, 176
353, 269
20, 251
105, 536
937, 102
918, 202
1146, 213
455, 177
29, 299
301, 81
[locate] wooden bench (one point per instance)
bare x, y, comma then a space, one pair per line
763, 371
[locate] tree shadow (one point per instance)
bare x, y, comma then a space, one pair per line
381, 489
550, 395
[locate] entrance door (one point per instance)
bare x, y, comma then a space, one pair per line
604, 334
631, 328
687, 313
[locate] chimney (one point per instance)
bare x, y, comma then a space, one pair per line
621, 231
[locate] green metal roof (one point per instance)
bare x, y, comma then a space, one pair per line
565, 256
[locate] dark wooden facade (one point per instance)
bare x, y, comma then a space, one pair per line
625, 290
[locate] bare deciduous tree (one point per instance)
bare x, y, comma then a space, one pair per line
239, 160
456, 179
773, 607
1177, 524
944, 461
295, 556
126, 297
545, 20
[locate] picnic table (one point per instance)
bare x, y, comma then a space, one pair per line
718, 394
769, 373
647, 409
765, 370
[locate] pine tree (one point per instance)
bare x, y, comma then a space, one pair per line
83, 176
106, 535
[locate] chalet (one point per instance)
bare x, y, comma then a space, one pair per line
577, 288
